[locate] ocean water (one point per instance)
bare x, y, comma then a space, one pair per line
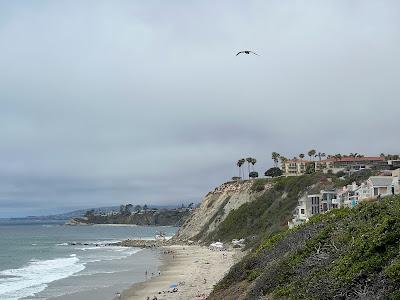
39, 261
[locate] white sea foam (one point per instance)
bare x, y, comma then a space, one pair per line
109, 253
34, 277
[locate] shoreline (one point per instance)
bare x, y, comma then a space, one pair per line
194, 269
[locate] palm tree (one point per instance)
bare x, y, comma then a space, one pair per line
239, 163
319, 155
253, 162
311, 153
275, 158
301, 155
283, 159
249, 160
353, 154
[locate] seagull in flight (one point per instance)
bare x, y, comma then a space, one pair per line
246, 52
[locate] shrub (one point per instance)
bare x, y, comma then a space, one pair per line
273, 172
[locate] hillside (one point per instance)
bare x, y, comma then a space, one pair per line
249, 209
343, 254
151, 217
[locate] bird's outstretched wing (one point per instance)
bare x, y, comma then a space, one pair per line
240, 52
254, 53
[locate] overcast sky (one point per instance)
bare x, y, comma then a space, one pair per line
110, 102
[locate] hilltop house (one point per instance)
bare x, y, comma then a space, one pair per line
312, 205
382, 185
294, 167
394, 164
350, 164
348, 196
302, 212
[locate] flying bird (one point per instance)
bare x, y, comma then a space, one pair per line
246, 52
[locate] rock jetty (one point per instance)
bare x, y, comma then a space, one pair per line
140, 243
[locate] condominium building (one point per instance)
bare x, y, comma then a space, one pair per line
349, 164
311, 205
294, 167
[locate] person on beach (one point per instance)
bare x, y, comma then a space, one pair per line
145, 274
159, 273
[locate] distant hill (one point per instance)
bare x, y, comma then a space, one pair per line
80, 213
147, 217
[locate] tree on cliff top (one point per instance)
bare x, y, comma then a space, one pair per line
311, 153
273, 172
240, 163
253, 174
275, 158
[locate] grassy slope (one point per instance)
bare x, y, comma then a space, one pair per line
344, 254
267, 214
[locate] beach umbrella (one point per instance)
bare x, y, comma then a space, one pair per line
173, 285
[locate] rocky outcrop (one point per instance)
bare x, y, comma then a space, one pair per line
77, 221
140, 243
215, 207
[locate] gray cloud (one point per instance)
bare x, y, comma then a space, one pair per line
104, 102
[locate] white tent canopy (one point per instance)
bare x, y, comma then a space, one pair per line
216, 246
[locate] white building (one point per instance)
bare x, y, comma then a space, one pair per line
380, 186
348, 196
311, 205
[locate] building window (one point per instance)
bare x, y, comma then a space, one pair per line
302, 211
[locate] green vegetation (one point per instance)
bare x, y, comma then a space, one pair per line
273, 172
275, 157
253, 174
311, 153
240, 163
139, 215
267, 214
250, 161
310, 168
259, 184
344, 254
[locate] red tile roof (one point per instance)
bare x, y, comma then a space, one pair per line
351, 159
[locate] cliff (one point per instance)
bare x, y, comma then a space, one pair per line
213, 209
247, 209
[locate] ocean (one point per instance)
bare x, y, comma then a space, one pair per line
42, 260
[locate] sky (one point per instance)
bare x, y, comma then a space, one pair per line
110, 102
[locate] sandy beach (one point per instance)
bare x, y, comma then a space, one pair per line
194, 269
